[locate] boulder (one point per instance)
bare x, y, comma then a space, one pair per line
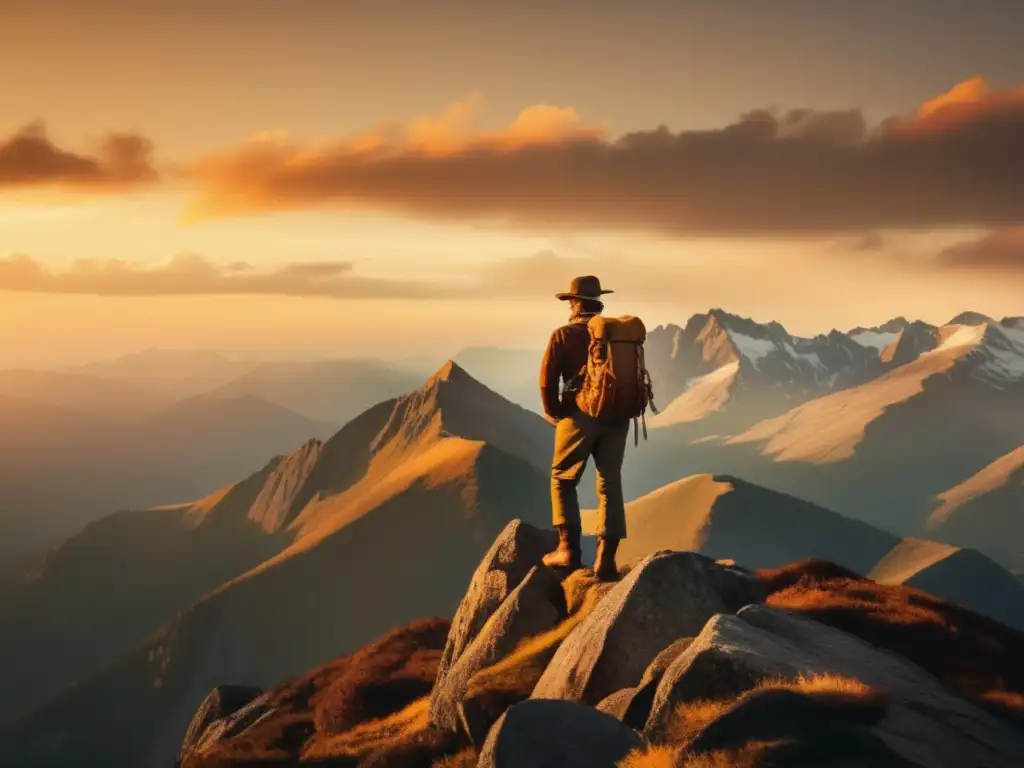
516, 550
222, 701
926, 724
666, 596
632, 705
556, 734
536, 605
255, 712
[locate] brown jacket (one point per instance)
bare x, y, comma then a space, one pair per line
565, 355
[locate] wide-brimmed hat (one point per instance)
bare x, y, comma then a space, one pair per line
585, 287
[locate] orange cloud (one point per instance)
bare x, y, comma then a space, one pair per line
769, 173
970, 101
191, 275
28, 159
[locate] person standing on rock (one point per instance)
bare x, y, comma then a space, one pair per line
601, 362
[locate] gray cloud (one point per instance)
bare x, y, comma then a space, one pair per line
28, 158
997, 251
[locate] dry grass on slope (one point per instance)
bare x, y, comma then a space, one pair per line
372, 708
973, 655
385, 680
778, 720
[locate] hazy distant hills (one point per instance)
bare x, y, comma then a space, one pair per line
158, 427
86, 395
330, 391
61, 468
174, 373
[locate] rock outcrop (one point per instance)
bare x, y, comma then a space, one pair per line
518, 548
632, 705
221, 702
536, 605
556, 734
227, 727
666, 596
926, 723
680, 661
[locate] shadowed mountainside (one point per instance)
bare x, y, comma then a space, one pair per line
984, 511
107, 588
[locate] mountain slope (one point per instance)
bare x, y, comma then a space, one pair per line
407, 501
961, 575
985, 511
725, 517
106, 589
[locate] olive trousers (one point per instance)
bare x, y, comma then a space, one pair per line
577, 438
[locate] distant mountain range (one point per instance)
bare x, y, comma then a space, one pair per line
158, 427
60, 468
333, 543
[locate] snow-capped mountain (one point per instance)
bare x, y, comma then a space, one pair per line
717, 357
767, 355
997, 354
880, 336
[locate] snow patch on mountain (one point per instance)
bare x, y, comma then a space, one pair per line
751, 348
811, 357
875, 339
1003, 353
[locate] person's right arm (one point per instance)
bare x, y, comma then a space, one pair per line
550, 370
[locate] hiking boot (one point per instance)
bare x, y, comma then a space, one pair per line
567, 554
604, 564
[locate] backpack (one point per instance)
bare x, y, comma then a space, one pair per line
614, 385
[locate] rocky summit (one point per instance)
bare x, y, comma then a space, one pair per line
684, 661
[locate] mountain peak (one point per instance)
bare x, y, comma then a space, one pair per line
971, 318
452, 403
450, 372
1013, 322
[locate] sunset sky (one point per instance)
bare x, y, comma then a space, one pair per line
339, 178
